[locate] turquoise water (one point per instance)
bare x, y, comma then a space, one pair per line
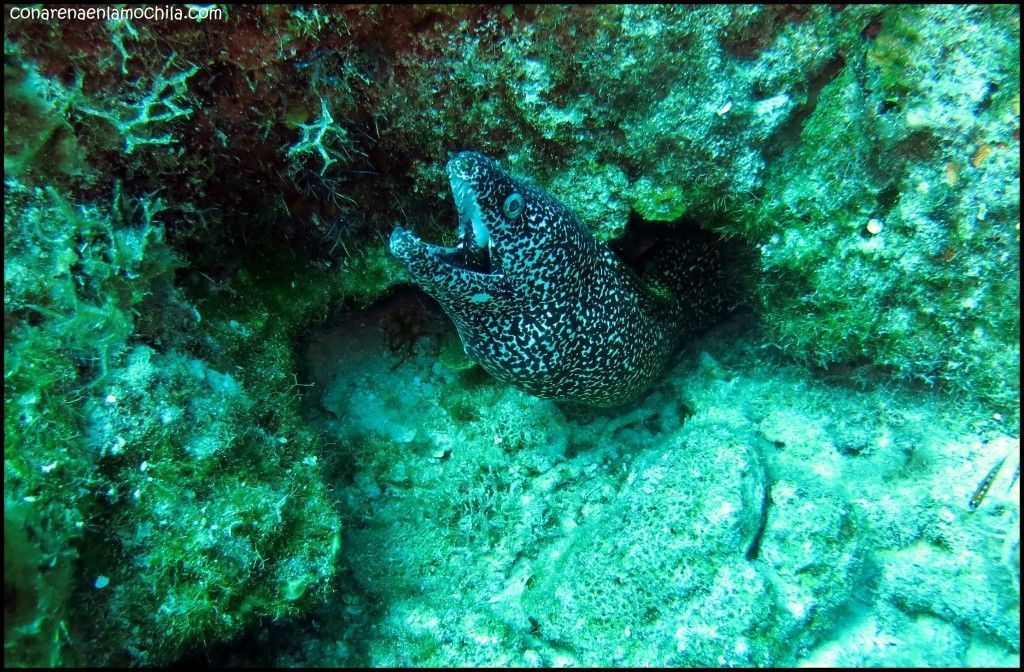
243, 426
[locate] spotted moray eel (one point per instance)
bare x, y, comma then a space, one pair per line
536, 299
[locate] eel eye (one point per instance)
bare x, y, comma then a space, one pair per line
513, 206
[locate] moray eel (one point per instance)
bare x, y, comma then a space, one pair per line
537, 300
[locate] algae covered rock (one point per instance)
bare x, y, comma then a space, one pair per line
664, 563
210, 522
975, 595
694, 564
812, 551
889, 233
78, 280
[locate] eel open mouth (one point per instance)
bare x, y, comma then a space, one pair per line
473, 251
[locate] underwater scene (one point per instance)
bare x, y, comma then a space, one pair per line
512, 335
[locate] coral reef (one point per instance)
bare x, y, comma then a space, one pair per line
800, 129
889, 235
214, 537
75, 279
665, 560
189, 204
724, 518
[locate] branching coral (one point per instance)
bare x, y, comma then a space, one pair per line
141, 122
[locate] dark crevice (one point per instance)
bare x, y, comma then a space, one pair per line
888, 197
788, 134
986, 102
755, 545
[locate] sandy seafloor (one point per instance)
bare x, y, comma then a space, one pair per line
828, 515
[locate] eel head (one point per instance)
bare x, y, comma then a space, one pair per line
481, 268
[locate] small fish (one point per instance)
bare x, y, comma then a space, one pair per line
986, 483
